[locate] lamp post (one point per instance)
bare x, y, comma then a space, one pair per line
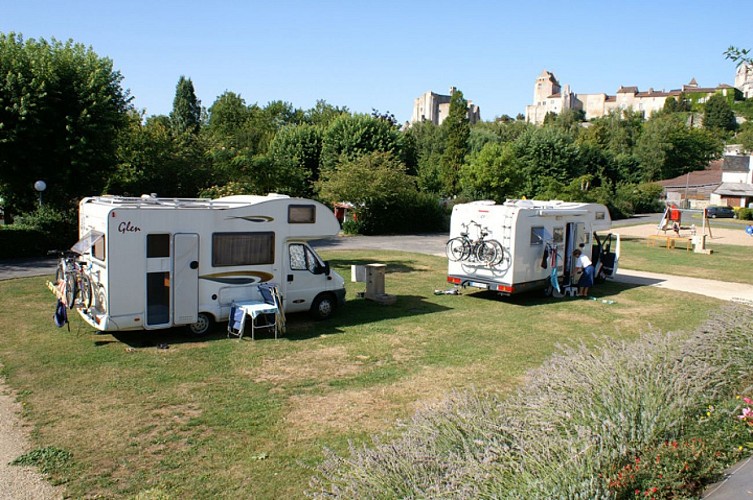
40, 186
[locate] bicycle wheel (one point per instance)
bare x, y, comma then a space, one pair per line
457, 249
86, 291
70, 290
486, 252
500, 252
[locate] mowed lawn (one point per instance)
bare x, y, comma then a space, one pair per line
218, 417
730, 263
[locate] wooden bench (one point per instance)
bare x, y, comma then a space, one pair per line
669, 241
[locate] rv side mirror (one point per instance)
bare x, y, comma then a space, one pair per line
323, 269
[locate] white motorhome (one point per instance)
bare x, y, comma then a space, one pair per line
536, 240
162, 262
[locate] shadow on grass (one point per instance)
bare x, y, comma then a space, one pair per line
393, 266
359, 312
300, 326
608, 291
163, 339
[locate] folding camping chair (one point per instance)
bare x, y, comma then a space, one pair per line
267, 310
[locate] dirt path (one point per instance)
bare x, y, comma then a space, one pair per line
18, 483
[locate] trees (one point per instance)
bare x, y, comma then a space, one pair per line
718, 115
349, 137
738, 56
745, 137
428, 142
153, 159
61, 109
493, 173
547, 154
295, 152
186, 114
376, 175
667, 148
456, 130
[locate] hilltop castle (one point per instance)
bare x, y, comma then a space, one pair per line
435, 108
550, 96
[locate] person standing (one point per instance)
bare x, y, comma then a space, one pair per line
584, 266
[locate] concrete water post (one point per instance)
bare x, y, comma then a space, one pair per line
375, 280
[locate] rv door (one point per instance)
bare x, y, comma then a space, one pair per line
158, 278
186, 278
575, 237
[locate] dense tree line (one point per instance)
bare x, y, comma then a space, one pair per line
65, 119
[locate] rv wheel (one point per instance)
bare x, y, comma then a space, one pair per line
323, 307
202, 325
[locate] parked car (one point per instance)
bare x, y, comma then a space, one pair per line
720, 212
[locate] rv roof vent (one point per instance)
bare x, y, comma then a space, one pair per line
485, 203
149, 198
277, 195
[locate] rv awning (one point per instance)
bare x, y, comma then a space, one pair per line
553, 211
89, 240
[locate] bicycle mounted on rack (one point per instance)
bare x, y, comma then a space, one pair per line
463, 248
73, 280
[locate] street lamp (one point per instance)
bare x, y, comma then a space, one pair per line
40, 186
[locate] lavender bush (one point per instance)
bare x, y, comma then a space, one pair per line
583, 413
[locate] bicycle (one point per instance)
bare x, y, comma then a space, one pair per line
71, 276
461, 248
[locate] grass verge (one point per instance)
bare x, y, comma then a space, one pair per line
729, 263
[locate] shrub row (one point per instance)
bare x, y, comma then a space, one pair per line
745, 213
35, 233
625, 419
408, 213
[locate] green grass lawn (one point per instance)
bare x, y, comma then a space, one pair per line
726, 263
218, 417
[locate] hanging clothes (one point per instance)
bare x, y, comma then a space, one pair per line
545, 258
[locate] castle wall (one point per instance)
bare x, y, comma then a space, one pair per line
547, 97
435, 108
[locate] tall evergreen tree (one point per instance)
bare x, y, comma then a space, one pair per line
457, 130
186, 114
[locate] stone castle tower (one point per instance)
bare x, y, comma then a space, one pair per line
546, 85
744, 80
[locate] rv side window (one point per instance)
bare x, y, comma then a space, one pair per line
301, 258
243, 249
537, 235
301, 214
558, 235
98, 249
157, 245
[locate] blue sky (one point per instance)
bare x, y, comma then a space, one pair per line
383, 54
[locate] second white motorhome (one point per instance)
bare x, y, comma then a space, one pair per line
162, 262
523, 245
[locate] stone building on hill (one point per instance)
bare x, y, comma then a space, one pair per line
435, 108
744, 80
550, 96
